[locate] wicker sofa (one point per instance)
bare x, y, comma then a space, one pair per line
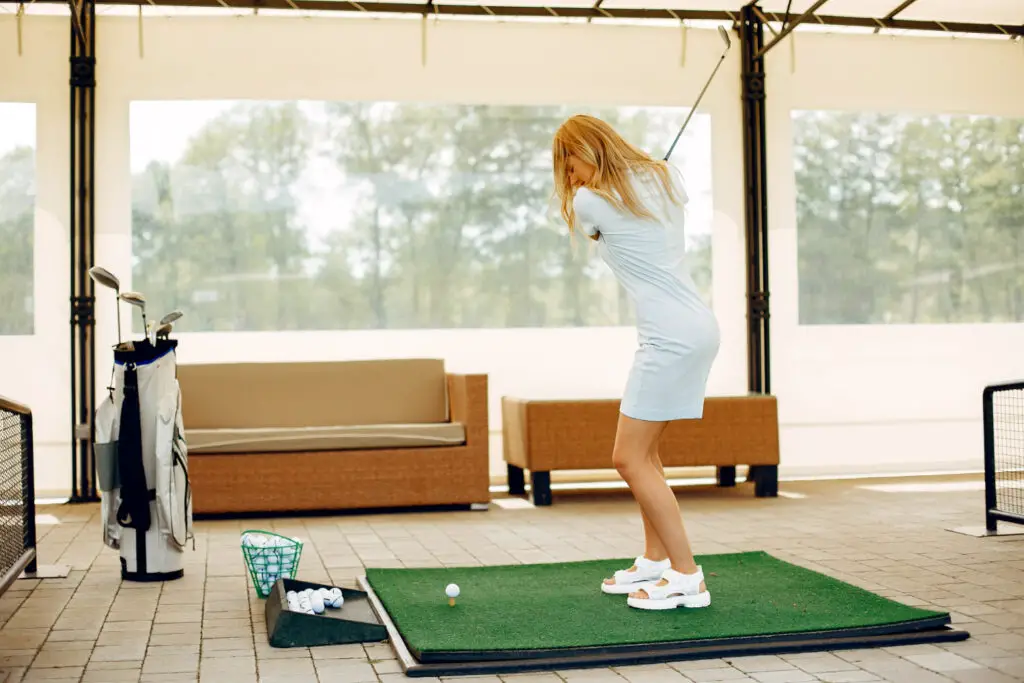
305, 436
544, 436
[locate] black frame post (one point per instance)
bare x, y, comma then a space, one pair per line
28, 491
82, 239
993, 513
991, 522
755, 182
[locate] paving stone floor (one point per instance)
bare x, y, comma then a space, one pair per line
889, 536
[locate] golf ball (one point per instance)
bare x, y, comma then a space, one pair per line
452, 590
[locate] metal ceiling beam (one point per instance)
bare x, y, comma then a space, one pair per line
76, 22
564, 13
764, 20
892, 15
789, 28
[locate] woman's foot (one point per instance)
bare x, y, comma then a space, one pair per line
675, 589
642, 572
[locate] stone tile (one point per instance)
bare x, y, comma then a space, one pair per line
118, 653
176, 663
982, 676
210, 623
716, 674
112, 676
344, 671
761, 663
943, 662
347, 651
818, 662
855, 676
62, 658
286, 670
795, 676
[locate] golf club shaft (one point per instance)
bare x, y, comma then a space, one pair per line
695, 104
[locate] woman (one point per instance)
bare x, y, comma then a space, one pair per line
632, 206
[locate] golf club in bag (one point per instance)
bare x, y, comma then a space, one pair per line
724, 35
142, 463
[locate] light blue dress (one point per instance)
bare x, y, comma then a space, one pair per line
677, 332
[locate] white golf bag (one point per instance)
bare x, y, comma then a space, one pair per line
142, 464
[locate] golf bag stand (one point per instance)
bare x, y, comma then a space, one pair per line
142, 463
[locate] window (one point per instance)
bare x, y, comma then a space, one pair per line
909, 219
17, 210
349, 215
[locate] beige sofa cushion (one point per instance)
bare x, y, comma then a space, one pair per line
303, 439
313, 394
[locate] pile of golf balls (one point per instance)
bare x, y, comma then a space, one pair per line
273, 558
314, 601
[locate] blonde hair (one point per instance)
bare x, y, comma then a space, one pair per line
595, 142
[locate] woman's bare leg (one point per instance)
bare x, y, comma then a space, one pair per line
634, 456
654, 549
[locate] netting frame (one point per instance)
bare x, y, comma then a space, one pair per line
993, 513
26, 562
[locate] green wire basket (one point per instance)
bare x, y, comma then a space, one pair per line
269, 557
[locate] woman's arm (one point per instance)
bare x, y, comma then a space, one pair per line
587, 207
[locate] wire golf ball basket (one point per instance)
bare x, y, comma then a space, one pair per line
269, 557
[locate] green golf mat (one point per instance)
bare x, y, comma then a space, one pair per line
508, 615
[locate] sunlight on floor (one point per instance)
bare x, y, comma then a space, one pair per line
926, 487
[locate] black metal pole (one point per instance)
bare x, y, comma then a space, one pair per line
91, 492
83, 356
28, 492
755, 176
990, 459
73, 243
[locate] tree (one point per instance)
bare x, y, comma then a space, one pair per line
909, 219
17, 207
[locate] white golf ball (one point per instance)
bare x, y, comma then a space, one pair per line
452, 590
316, 601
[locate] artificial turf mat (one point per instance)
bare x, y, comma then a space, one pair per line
560, 605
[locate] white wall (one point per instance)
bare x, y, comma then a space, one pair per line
34, 370
898, 397
881, 396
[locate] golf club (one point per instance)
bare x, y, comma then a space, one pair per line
724, 35
171, 317
136, 299
108, 279
164, 330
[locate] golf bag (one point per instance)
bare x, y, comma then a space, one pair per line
142, 463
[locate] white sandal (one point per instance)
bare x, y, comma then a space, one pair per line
626, 581
682, 590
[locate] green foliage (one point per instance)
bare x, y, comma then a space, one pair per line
352, 215
909, 219
17, 205
436, 217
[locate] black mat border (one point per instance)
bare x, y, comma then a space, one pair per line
729, 643
933, 630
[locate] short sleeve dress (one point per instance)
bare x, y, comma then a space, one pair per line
677, 332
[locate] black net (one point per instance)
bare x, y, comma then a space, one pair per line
17, 531
1008, 447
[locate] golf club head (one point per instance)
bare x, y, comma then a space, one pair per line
725, 37
104, 277
171, 317
134, 299
164, 330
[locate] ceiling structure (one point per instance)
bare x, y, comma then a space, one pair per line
991, 17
